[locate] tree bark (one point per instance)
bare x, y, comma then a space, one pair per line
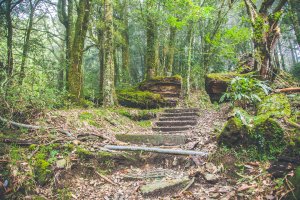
281, 55
295, 8
9, 41
75, 74
266, 34
151, 34
125, 46
189, 41
26, 44
171, 51
109, 95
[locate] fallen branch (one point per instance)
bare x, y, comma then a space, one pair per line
188, 186
32, 127
18, 142
105, 178
288, 90
291, 123
156, 150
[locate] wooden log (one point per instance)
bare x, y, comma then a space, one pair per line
156, 150
288, 90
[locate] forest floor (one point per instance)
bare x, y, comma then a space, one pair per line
80, 169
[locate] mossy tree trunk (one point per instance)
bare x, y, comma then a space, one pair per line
125, 46
189, 41
26, 45
109, 94
75, 75
265, 25
9, 39
171, 51
152, 42
295, 8
65, 10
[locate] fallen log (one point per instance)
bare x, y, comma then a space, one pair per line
32, 127
156, 150
288, 90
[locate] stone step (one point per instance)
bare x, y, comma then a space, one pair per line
183, 114
175, 123
171, 129
154, 139
158, 187
182, 110
180, 118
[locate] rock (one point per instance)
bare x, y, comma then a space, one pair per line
60, 164
157, 187
211, 178
263, 131
216, 84
154, 139
165, 86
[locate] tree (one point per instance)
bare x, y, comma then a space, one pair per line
33, 5
109, 95
75, 74
152, 40
295, 12
265, 25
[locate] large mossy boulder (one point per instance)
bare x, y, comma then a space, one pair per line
216, 84
140, 99
165, 86
245, 130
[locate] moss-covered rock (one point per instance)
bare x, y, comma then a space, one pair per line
275, 105
262, 131
295, 180
216, 84
140, 99
42, 170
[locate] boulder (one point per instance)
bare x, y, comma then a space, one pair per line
216, 84
165, 86
262, 131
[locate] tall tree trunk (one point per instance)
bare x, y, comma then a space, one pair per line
151, 34
9, 41
26, 44
189, 59
295, 8
109, 95
266, 34
281, 56
292, 52
125, 46
75, 75
171, 51
65, 10
101, 60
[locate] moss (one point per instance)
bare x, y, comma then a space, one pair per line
140, 99
275, 105
83, 153
86, 116
222, 76
145, 123
295, 180
138, 115
42, 170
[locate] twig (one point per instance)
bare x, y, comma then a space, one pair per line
188, 186
105, 178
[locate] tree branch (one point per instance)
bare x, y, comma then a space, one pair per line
251, 10
279, 6
266, 4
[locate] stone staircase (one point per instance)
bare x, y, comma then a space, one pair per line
171, 128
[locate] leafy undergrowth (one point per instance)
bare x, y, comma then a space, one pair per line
54, 166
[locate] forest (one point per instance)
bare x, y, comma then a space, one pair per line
149, 99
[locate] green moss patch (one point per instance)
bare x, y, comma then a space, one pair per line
275, 105
140, 99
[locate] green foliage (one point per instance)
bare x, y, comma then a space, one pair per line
296, 71
275, 105
245, 90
